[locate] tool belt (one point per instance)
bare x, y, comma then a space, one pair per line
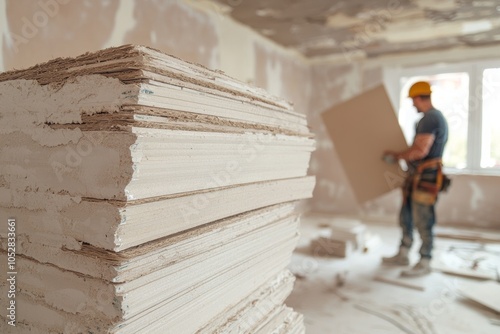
426, 182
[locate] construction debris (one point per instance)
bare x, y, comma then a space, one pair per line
468, 260
328, 247
495, 322
149, 194
409, 319
343, 238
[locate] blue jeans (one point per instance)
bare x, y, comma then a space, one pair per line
423, 218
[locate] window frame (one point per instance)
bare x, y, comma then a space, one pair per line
475, 71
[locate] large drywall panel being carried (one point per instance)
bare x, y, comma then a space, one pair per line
361, 129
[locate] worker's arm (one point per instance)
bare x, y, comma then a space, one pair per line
419, 150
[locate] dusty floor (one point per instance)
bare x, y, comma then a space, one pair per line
340, 295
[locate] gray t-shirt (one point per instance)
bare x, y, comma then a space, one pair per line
434, 123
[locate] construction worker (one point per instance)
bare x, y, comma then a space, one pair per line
424, 181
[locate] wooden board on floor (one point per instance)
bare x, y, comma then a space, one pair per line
361, 129
400, 282
486, 293
468, 235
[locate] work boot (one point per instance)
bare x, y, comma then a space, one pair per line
423, 267
400, 259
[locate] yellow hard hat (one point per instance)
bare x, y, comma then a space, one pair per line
419, 88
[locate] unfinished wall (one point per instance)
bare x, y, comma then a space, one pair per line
293, 76
334, 83
470, 200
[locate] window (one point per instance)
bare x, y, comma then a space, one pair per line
490, 151
468, 94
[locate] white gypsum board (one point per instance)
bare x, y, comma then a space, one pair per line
193, 310
133, 263
72, 293
104, 223
167, 122
285, 321
176, 284
275, 317
99, 164
160, 185
186, 212
230, 112
158, 81
243, 95
108, 199
295, 324
27, 105
226, 255
217, 78
65, 222
128, 63
115, 225
153, 117
168, 67
158, 138
197, 244
244, 146
39, 318
194, 179
204, 302
68, 287
67, 291
252, 308
219, 162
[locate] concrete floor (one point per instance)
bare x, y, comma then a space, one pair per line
340, 296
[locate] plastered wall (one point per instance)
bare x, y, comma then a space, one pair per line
471, 200
334, 82
198, 31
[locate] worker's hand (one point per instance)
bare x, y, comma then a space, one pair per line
390, 157
391, 153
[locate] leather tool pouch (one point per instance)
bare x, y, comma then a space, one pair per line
426, 185
445, 185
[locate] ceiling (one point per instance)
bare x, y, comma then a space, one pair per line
370, 27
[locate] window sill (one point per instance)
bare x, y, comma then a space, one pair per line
472, 172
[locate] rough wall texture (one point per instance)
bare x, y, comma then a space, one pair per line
470, 201
288, 78
333, 84
42, 30
176, 28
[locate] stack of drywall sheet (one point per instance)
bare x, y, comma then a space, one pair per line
150, 195
349, 230
344, 237
326, 247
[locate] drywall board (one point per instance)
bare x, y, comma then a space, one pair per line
361, 129
485, 293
